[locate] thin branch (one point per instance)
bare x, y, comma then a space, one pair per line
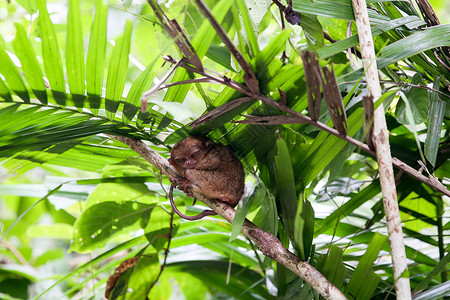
270, 120
249, 75
166, 251
157, 87
403, 84
15, 252
188, 81
267, 243
215, 77
214, 113
177, 34
383, 153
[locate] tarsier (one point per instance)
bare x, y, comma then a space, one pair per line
211, 167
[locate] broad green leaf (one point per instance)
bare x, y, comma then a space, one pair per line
100, 222
435, 118
48, 128
338, 9
25, 52
29, 5
313, 32
257, 197
112, 209
120, 287
356, 201
250, 19
437, 292
48, 256
191, 287
299, 226
432, 37
51, 192
140, 85
286, 187
95, 62
335, 48
55, 231
265, 64
440, 267
308, 227
417, 212
4, 91
326, 8
233, 252
12, 76
242, 284
221, 55
364, 281
418, 100
74, 50
267, 214
332, 266
411, 113
239, 217
120, 192
88, 265
324, 149
144, 273
159, 238
117, 71
50, 50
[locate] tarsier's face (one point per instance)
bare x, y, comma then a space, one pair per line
189, 154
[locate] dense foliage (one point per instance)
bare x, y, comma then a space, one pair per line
75, 203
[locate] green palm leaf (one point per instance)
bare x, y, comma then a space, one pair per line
117, 72
50, 51
74, 50
12, 76
30, 65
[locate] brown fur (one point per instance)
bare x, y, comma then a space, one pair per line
211, 167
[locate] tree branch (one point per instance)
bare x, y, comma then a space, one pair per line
383, 153
267, 243
249, 76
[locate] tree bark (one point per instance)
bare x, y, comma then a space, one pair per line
383, 153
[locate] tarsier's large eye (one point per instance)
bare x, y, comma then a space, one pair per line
180, 161
195, 153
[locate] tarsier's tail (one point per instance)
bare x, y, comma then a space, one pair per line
183, 216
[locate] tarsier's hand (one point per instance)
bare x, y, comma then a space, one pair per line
183, 184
